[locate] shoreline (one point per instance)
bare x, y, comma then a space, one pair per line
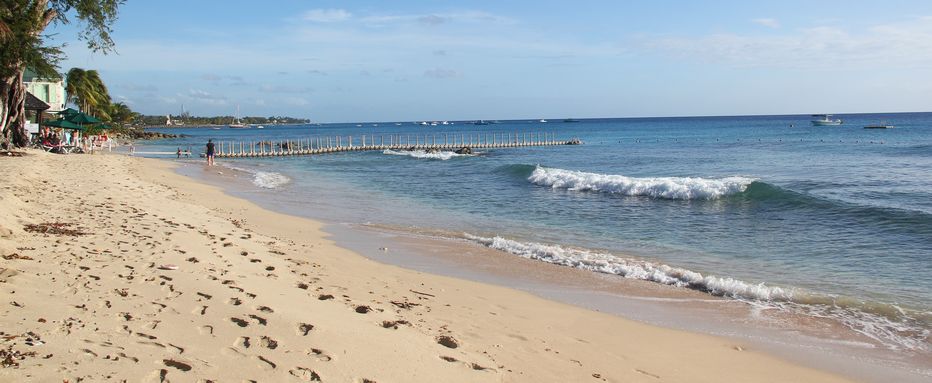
256, 293
815, 342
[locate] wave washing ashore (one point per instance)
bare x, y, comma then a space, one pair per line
172, 280
830, 223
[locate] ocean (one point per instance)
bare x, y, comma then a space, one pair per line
827, 221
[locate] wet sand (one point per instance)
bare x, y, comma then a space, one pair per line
117, 268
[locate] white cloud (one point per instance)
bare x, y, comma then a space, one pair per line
905, 44
432, 19
296, 101
285, 89
767, 22
326, 15
205, 97
441, 73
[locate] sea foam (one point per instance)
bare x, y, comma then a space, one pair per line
680, 188
443, 156
634, 268
898, 330
269, 180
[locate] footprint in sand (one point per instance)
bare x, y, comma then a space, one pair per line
243, 342
363, 309
268, 343
305, 328
319, 355
393, 324
305, 374
261, 320
239, 322
447, 341
176, 364
265, 363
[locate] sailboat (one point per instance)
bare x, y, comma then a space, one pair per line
237, 123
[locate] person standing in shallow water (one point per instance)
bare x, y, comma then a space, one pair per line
210, 152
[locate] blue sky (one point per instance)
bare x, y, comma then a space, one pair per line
334, 61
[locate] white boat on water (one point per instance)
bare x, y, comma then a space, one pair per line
237, 123
824, 120
542, 121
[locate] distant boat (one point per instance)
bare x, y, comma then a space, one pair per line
237, 123
260, 127
881, 125
542, 120
570, 120
216, 128
824, 120
480, 122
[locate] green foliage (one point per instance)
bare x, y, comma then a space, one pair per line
22, 23
121, 114
218, 120
23, 44
87, 90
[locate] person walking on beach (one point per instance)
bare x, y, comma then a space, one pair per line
178, 153
210, 152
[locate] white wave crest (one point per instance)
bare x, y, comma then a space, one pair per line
682, 188
901, 331
269, 180
635, 269
443, 156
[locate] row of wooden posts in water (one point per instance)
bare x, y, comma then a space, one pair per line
448, 141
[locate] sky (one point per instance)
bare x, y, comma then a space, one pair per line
348, 61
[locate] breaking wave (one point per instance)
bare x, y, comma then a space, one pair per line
890, 325
443, 156
678, 188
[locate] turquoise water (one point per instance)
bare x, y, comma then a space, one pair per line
827, 221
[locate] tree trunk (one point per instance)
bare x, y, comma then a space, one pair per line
13, 113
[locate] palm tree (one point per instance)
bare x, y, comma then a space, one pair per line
5, 31
85, 89
120, 113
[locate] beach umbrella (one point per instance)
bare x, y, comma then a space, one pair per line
64, 124
82, 118
68, 112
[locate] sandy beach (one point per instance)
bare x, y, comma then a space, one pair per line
115, 268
